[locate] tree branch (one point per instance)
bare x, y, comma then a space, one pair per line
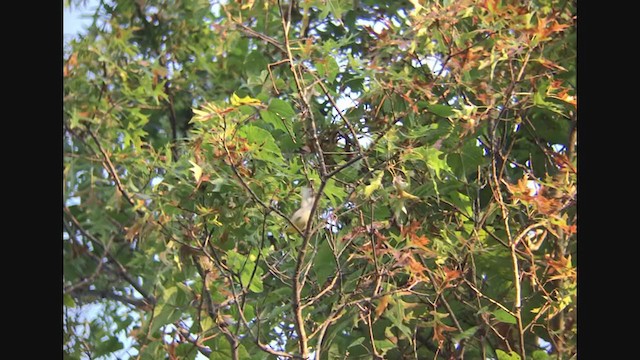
186, 333
344, 119
104, 294
121, 270
108, 165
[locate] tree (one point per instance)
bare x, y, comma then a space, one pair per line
437, 140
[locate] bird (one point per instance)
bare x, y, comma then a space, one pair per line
301, 216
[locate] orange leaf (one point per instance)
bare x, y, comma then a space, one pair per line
404, 258
353, 233
563, 162
451, 274
551, 65
569, 99
382, 306
71, 63
558, 265
556, 27
438, 330
521, 190
73, 60
560, 268
420, 241
546, 206
132, 231
411, 229
416, 267
491, 5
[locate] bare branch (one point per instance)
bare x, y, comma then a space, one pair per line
104, 294
479, 293
108, 165
120, 269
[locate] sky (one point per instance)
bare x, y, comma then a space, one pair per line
73, 22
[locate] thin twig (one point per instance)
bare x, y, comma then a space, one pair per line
104, 294
480, 294
222, 268
188, 336
112, 171
344, 118
172, 119
121, 269
286, 25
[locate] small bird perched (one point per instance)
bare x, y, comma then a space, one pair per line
301, 216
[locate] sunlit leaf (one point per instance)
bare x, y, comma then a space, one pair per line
196, 169
374, 185
247, 100
507, 356
504, 316
441, 110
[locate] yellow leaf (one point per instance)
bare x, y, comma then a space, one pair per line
374, 185
417, 7
406, 195
247, 100
200, 112
248, 5
197, 170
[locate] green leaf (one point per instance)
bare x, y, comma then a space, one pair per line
466, 334
334, 351
551, 128
166, 312
281, 108
272, 118
462, 201
356, 342
220, 349
255, 62
334, 192
243, 354
169, 295
430, 133
186, 351
324, 265
67, 300
107, 347
328, 68
335, 7
432, 157
263, 144
397, 316
245, 266
384, 345
540, 355
152, 351
441, 110
165, 315
206, 323
256, 281
504, 356
504, 316
466, 161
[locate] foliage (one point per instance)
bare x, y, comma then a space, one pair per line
438, 138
